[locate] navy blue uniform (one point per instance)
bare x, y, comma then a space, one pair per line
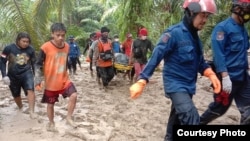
183, 59
181, 50
230, 43
74, 53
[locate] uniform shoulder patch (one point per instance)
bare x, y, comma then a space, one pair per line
220, 36
165, 37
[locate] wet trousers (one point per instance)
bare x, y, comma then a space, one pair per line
240, 94
72, 64
106, 74
183, 112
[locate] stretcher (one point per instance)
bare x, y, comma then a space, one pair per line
122, 67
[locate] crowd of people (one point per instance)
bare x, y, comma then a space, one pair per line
179, 46
104, 51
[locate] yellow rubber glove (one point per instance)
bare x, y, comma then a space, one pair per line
137, 88
213, 78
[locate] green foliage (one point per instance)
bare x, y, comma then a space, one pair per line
83, 17
16, 19
28, 16
36, 17
76, 31
155, 15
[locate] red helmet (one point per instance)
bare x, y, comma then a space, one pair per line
200, 6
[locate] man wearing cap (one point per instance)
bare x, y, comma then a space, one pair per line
230, 42
103, 58
74, 54
181, 49
139, 50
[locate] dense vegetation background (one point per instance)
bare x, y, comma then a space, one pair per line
85, 16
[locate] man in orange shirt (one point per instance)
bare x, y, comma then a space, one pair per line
52, 63
103, 57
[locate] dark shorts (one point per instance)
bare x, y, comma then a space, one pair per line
24, 81
52, 96
106, 74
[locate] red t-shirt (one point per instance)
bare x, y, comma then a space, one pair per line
126, 45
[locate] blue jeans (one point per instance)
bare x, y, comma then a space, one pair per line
241, 94
183, 112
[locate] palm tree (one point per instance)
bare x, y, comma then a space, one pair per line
126, 15
85, 16
16, 18
85, 19
31, 16
130, 15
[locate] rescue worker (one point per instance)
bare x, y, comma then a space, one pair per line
230, 42
181, 49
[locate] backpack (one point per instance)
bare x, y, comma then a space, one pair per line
106, 53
